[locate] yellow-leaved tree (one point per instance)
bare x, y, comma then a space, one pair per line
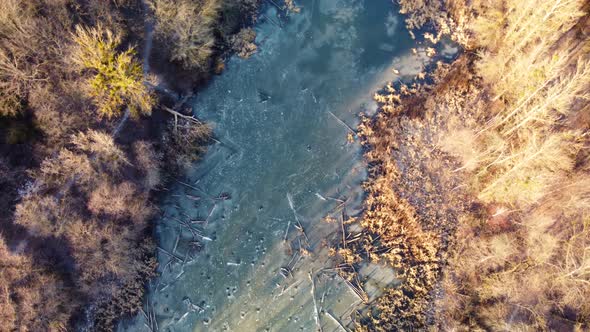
117, 79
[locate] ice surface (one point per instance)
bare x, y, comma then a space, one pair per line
282, 164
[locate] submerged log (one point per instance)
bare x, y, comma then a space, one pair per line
193, 198
317, 311
336, 321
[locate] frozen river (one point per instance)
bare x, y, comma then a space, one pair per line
255, 203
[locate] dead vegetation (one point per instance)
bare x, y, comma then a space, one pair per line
528, 168
77, 180
27, 290
477, 188
412, 202
188, 29
103, 218
185, 142
192, 32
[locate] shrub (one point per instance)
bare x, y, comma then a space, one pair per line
102, 148
243, 43
149, 162
117, 79
187, 27
119, 202
185, 141
31, 297
15, 76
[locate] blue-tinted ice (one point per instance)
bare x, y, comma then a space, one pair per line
281, 165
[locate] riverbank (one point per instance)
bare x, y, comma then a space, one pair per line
476, 192
88, 140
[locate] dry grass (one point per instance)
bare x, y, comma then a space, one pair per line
511, 113
410, 209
